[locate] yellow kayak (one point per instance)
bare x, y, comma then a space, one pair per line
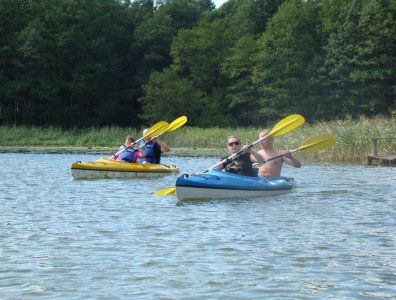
107, 168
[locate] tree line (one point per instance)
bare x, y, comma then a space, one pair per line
84, 63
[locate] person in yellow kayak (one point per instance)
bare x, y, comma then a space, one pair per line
241, 164
273, 168
128, 152
152, 148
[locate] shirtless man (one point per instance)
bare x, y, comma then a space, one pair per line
273, 168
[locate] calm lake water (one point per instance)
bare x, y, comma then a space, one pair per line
333, 237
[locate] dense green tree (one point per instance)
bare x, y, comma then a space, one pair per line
12, 21
246, 20
168, 96
247, 16
242, 93
71, 56
154, 35
76, 63
140, 10
196, 84
331, 13
287, 49
197, 54
360, 60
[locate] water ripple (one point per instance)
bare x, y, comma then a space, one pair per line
334, 236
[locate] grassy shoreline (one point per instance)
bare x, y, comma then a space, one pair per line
353, 139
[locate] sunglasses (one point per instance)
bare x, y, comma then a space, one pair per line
233, 143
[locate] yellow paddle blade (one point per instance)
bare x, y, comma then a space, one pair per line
167, 191
179, 122
318, 142
287, 124
154, 130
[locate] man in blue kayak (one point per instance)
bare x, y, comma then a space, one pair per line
241, 164
273, 168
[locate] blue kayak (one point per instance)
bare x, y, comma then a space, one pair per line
215, 184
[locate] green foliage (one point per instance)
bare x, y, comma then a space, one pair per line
360, 59
165, 96
197, 54
244, 17
192, 85
71, 53
95, 63
286, 52
238, 67
152, 38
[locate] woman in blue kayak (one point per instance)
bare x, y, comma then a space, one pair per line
241, 164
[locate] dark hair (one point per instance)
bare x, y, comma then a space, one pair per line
128, 137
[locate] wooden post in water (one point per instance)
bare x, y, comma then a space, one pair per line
373, 151
374, 147
385, 160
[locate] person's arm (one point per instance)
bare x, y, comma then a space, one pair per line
137, 155
140, 152
291, 160
164, 147
254, 157
222, 166
219, 167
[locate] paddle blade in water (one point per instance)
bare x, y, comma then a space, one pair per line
318, 142
179, 122
287, 124
168, 191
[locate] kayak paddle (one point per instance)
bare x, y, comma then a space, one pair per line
179, 122
154, 130
167, 191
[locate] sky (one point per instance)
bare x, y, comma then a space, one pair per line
218, 3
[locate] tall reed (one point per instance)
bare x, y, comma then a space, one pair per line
353, 137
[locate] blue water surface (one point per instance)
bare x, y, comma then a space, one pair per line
332, 237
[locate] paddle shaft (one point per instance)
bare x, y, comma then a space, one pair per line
273, 158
